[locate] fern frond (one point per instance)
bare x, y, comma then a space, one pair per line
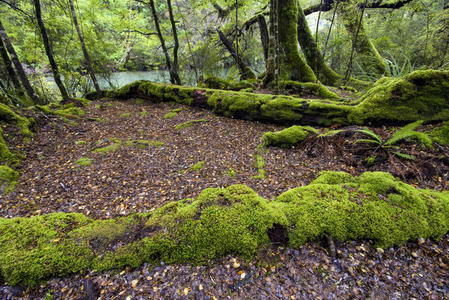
403, 155
371, 134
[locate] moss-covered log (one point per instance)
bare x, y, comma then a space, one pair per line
233, 220
422, 95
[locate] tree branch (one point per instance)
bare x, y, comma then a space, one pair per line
327, 5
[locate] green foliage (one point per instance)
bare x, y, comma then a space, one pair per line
173, 113
404, 133
394, 69
440, 134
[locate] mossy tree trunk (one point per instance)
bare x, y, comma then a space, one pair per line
175, 66
368, 56
18, 66
49, 51
313, 55
264, 36
90, 69
174, 76
245, 71
292, 66
9, 68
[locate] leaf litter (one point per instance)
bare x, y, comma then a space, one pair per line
136, 178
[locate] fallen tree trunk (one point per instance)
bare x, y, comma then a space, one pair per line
422, 95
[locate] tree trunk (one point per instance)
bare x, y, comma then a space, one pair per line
162, 41
264, 37
9, 68
313, 55
175, 66
292, 66
245, 71
20, 71
48, 50
368, 56
90, 69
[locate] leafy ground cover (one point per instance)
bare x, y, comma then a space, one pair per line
153, 163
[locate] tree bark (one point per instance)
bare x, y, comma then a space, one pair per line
90, 69
369, 58
48, 50
327, 5
292, 66
9, 68
18, 66
162, 41
264, 37
175, 66
313, 55
245, 71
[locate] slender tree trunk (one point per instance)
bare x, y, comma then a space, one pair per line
18, 66
292, 66
9, 68
90, 69
264, 37
368, 56
175, 66
162, 41
313, 55
245, 71
48, 50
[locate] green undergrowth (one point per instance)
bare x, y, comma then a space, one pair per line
8, 115
84, 162
189, 124
8, 179
421, 95
440, 134
173, 113
287, 137
234, 220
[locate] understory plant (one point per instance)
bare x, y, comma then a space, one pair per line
390, 145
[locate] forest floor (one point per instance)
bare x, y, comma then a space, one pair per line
125, 157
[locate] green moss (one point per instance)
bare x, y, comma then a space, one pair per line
260, 165
189, 124
198, 166
233, 220
8, 179
374, 206
173, 113
302, 89
230, 172
288, 137
144, 144
5, 155
8, 115
140, 101
440, 134
114, 145
125, 115
80, 143
84, 162
421, 95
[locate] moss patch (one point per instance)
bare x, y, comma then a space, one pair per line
114, 145
189, 124
440, 134
173, 113
144, 144
288, 137
8, 179
84, 162
374, 206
